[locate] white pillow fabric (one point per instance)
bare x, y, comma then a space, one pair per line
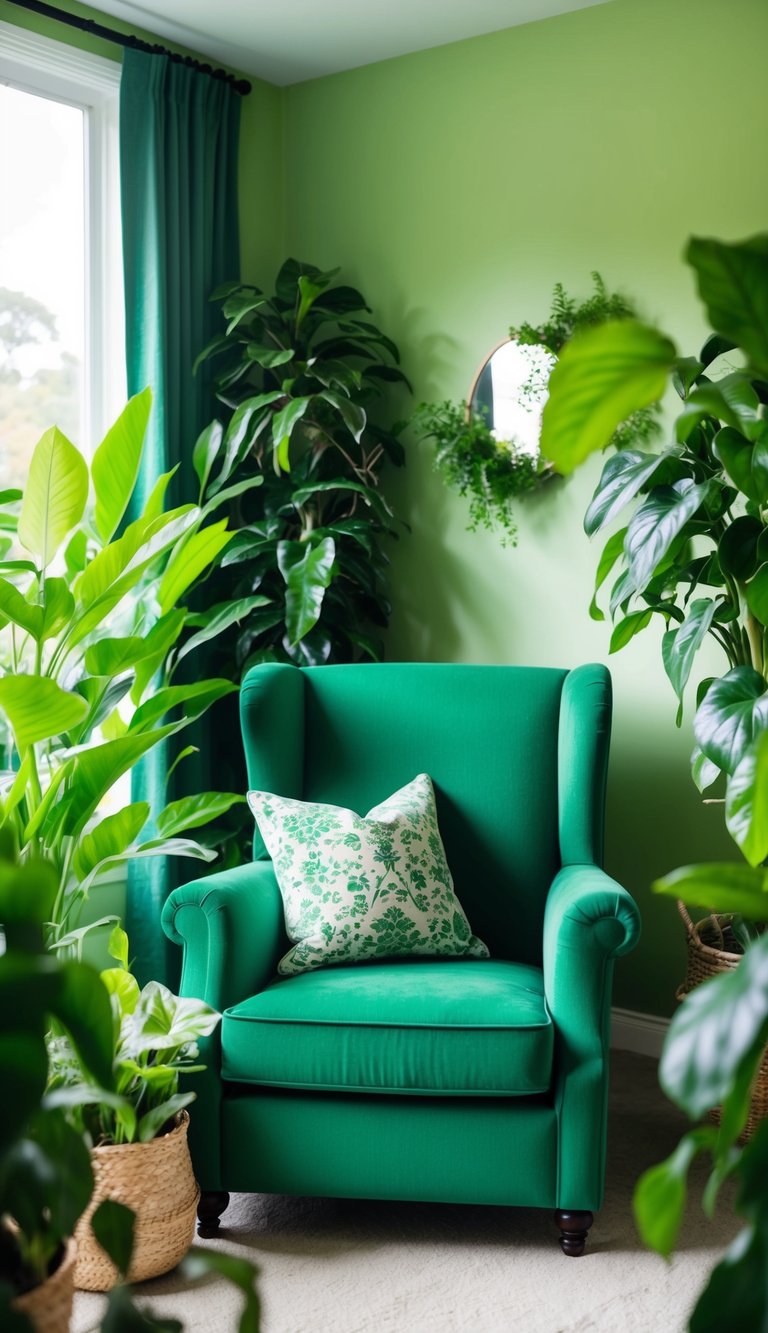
360, 888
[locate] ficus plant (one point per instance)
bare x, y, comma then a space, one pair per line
694, 551
300, 374
94, 621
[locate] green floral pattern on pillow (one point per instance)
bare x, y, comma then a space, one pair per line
359, 888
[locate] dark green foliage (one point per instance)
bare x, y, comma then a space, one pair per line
300, 374
474, 463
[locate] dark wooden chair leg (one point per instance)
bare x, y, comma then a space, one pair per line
574, 1229
211, 1205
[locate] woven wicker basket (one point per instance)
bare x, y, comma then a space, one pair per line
705, 960
49, 1307
156, 1180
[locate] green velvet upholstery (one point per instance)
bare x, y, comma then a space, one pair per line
476, 1081
448, 1028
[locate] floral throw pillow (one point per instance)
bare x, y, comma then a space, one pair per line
359, 888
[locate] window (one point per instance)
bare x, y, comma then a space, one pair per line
61, 326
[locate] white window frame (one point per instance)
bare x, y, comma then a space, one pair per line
52, 69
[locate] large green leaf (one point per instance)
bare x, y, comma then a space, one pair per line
110, 657
195, 699
732, 400
719, 886
193, 811
624, 475
193, 558
241, 1272
113, 1225
307, 570
16, 608
736, 1296
732, 712
153, 1121
159, 641
82, 1006
164, 1021
601, 377
611, 551
733, 284
738, 547
718, 1026
248, 421
656, 524
627, 628
352, 415
680, 646
55, 495
206, 452
37, 708
57, 607
660, 1193
98, 768
110, 837
115, 465
372, 498
283, 424
756, 593
746, 801
745, 462
218, 619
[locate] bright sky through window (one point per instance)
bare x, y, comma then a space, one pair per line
42, 275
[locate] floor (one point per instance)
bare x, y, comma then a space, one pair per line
368, 1267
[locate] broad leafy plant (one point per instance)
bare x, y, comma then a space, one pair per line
695, 552
301, 373
154, 1036
93, 626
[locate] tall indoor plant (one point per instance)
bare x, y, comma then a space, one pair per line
93, 623
695, 552
300, 373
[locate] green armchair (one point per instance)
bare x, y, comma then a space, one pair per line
478, 1081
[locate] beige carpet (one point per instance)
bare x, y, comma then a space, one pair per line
365, 1267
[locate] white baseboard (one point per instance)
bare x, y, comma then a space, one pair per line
641, 1033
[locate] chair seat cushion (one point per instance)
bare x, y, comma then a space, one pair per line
450, 1027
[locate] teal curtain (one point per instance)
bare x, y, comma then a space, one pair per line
179, 130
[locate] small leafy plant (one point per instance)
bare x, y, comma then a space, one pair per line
93, 625
695, 552
301, 373
154, 1035
473, 462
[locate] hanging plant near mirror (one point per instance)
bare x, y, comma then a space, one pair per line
487, 448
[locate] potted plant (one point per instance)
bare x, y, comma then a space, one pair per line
93, 625
136, 1125
300, 373
695, 552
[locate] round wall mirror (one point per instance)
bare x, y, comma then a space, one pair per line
509, 392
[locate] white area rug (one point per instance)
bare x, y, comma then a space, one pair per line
347, 1266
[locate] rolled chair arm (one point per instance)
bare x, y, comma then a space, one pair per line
231, 928
589, 920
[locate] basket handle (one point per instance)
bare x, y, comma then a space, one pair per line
692, 929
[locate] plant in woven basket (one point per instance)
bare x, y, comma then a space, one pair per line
137, 1125
695, 552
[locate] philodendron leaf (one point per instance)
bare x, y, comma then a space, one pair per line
82, 1006
110, 657
193, 558
601, 377
206, 451
660, 1193
307, 571
703, 771
193, 811
628, 628
623, 476
55, 495
736, 1296
719, 886
152, 1122
113, 1226
352, 415
37, 708
164, 1021
241, 1272
194, 698
611, 552
756, 593
746, 801
283, 424
217, 619
719, 1025
656, 524
733, 284
115, 464
745, 462
733, 711
679, 646
110, 837
737, 548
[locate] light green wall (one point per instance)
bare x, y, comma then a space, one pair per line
456, 186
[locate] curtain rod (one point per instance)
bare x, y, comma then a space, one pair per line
241, 86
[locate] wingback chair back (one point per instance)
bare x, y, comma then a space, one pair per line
517, 756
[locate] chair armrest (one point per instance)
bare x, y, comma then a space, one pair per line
231, 928
589, 920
